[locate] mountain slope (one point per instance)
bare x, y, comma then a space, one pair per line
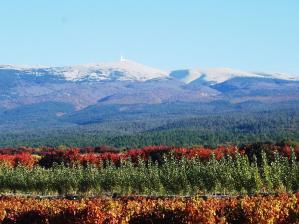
220, 75
88, 92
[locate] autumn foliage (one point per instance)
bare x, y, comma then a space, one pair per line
257, 209
46, 157
24, 159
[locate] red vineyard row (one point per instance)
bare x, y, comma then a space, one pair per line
46, 157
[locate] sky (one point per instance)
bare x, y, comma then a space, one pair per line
255, 35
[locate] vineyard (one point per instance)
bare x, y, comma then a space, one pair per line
255, 183
281, 209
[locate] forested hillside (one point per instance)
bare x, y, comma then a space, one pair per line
210, 130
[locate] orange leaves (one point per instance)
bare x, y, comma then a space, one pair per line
2, 215
268, 209
24, 159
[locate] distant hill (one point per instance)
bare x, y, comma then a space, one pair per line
33, 97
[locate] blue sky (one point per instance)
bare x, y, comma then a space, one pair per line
255, 35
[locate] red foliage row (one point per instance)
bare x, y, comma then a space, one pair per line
154, 153
48, 156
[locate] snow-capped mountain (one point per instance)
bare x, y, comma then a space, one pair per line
88, 93
121, 70
128, 82
127, 70
219, 75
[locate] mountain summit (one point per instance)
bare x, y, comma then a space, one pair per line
111, 71
121, 70
127, 70
91, 92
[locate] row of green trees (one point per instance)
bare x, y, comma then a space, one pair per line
176, 137
179, 177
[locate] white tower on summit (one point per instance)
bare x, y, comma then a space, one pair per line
122, 58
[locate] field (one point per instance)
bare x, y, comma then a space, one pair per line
254, 183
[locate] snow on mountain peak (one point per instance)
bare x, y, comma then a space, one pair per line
214, 75
130, 70
121, 70
219, 75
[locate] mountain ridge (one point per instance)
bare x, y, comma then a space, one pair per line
128, 70
92, 93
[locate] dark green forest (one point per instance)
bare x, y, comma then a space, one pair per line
208, 130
